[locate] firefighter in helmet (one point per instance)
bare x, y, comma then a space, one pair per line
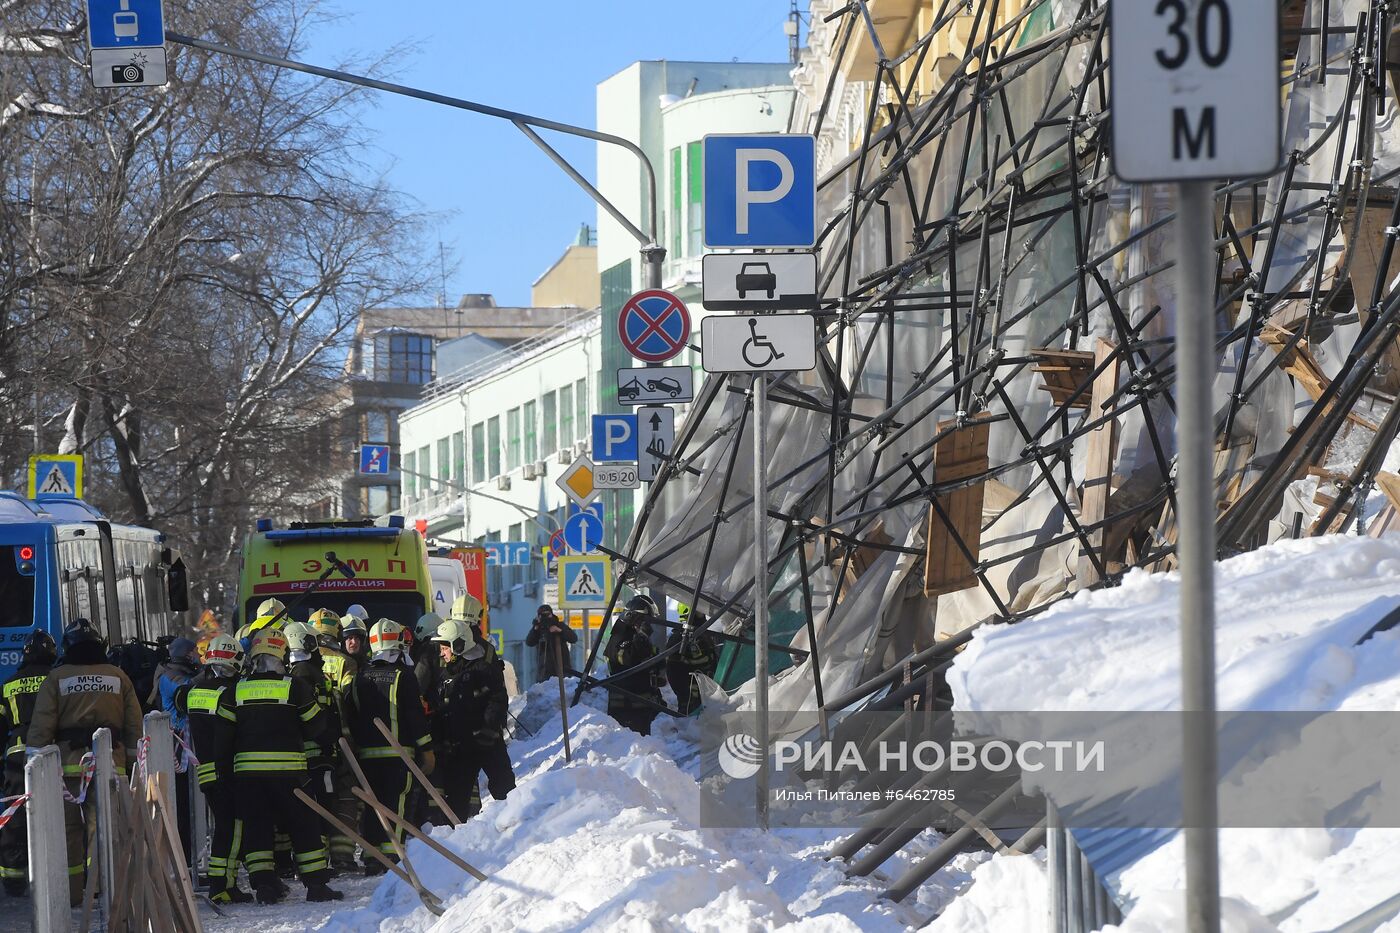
212, 737
17, 699
634, 698
469, 730
386, 690
82, 694
276, 717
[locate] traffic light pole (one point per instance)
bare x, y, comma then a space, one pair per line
653, 253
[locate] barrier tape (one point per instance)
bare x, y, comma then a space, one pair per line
89, 765
186, 759
18, 801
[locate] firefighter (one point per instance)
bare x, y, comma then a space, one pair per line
469, 731
16, 707
270, 612
275, 716
337, 666
696, 654
211, 729
306, 665
386, 690
82, 694
424, 655
635, 702
355, 640
338, 669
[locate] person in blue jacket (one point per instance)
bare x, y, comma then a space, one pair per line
172, 675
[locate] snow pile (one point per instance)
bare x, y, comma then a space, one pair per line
1289, 617
613, 841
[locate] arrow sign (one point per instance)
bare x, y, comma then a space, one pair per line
658, 437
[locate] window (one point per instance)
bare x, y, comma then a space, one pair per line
16, 591
459, 458
479, 453
410, 469
381, 500
581, 406
403, 358
425, 470
677, 203
376, 427
532, 447
444, 460
551, 434
695, 187
493, 445
512, 439
566, 417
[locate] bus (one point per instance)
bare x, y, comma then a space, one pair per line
389, 563
62, 560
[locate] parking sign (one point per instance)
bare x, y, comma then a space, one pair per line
760, 191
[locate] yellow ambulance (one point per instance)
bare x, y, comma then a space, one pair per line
382, 567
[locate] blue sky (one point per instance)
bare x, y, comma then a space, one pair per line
509, 212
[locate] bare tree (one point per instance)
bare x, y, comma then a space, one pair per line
182, 267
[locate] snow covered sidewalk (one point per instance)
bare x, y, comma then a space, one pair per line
613, 842
1289, 617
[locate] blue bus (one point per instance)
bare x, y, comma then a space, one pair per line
60, 560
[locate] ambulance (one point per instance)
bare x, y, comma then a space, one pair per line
382, 567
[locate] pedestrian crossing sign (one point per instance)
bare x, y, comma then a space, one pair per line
584, 582
56, 476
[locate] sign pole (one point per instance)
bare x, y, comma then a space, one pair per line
1195, 497
760, 586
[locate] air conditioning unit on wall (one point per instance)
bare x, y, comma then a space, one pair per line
503, 482
541, 468
580, 448
528, 471
565, 456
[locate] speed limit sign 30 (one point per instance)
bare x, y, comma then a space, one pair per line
1195, 88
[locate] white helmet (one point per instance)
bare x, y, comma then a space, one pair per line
387, 635
223, 650
358, 611
301, 637
455, 634
427, 625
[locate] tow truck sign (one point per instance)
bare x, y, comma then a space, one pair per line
655, 384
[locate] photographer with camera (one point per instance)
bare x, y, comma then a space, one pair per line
548, 635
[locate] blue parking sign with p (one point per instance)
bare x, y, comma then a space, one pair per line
615, 438
760, 191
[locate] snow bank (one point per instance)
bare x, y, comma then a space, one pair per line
613, 842
1288, 620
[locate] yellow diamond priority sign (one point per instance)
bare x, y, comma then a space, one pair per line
577, 482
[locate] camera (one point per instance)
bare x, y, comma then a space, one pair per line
128, 74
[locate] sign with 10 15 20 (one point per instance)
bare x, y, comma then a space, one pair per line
615, 476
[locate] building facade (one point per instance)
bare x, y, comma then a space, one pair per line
393, 355
483, 450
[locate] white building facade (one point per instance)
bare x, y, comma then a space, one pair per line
519, 418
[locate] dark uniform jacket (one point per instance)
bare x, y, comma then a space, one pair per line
385, 690
700, 656
312, 674
277, 721
628, 646
212, 725
17, 706
473, 700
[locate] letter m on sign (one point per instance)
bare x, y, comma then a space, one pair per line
1193, 137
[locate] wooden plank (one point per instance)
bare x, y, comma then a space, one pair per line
1365, 256
961, 454
1098, 460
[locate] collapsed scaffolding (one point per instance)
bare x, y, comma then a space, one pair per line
991, 424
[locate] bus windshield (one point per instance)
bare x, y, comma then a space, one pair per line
403, 607
16, 593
